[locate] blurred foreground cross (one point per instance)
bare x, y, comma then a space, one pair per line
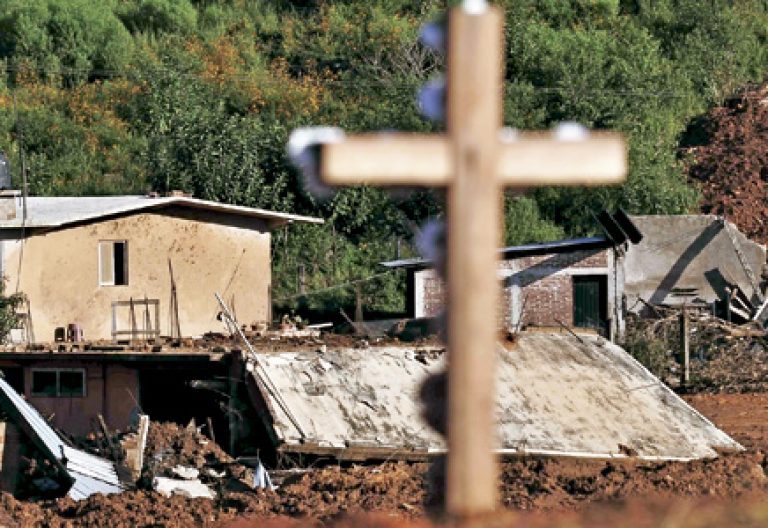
475, 160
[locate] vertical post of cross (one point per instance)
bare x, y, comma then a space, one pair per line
473, 161
474, 101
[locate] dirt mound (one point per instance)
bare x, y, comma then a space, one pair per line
332, 495
565, 484
729, 161
743, 416
324, 495
169, 444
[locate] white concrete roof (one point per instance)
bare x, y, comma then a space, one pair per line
557, 395
60, 211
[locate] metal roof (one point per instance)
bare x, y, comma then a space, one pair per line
44, 211
513, 252
90, 474
556, 395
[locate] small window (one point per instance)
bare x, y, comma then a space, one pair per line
63, 383
44, 383
113, 263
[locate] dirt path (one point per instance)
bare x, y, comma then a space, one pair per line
743, 416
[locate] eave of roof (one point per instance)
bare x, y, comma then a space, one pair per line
513, 252
52, 212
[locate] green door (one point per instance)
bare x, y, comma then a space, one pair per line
590, 302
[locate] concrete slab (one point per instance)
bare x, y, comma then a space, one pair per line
557, 395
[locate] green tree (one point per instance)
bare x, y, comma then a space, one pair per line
82, 39
159, 16
523, 223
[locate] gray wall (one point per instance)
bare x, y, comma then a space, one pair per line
687, 251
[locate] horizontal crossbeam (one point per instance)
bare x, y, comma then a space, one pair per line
531, 159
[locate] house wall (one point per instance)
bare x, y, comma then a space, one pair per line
687, 251
210, 252
538, 289
110, 391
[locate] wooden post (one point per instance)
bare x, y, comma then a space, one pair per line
473, 161
474, 227
358, 303
685, 349
302, 279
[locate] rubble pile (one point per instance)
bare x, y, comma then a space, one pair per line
176, 453
398, 489
170, 444
725, 358
729, 161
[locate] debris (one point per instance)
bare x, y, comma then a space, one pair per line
185, 473
261, 477
134, 444
725, 358
187, 488
75, 472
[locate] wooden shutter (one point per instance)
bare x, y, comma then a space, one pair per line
106, 263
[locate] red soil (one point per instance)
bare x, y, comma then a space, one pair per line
730, 162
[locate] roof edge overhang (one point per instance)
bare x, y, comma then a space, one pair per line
272, 219
513, 252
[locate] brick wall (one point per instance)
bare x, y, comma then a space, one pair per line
540, 285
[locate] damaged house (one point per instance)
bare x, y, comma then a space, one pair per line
577, 283
122, 268
696, 260
561, 394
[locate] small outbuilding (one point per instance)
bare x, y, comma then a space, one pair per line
574, 283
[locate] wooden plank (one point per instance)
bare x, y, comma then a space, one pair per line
538, 159
474, 235
533, 159
388, 159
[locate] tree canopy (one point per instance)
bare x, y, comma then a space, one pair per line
126, 96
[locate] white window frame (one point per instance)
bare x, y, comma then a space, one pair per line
111, 243
58, 394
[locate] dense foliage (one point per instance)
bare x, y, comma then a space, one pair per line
125, 96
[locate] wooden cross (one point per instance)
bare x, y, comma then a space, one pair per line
474, 163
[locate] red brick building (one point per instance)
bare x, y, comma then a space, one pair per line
578, 283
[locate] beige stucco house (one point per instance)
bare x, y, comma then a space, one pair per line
120, 265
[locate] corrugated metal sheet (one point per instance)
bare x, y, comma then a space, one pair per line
91, 474
556, 395
59, 211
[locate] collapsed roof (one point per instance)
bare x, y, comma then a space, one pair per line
89, 474
557, 395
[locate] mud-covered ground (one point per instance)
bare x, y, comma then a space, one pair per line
328, 494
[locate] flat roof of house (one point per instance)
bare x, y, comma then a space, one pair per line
558, 394
45, 211
512, 252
